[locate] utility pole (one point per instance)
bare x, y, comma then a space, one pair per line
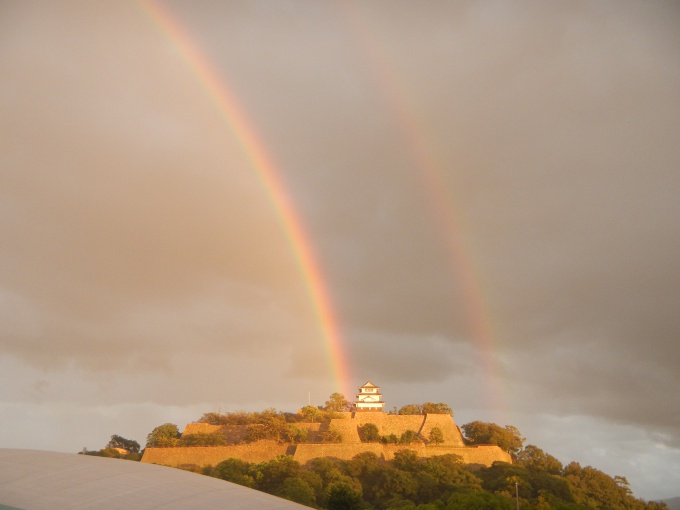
517, 494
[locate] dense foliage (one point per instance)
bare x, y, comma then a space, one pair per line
535, 480
165, 435
368, 433
508, 437
426, 408
119, 448
436, 483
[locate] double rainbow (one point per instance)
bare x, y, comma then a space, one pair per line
414, 134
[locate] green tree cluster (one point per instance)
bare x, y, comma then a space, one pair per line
437, 483
436, 436
369, 433
426, 408
508, 437
163, 436
131, 449
337, 403
130, 445
408, 482
255, 426
279, 426
202, 439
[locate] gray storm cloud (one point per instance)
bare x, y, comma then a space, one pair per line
142, 261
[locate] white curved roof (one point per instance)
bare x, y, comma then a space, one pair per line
38, 480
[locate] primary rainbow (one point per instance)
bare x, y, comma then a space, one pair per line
237, 120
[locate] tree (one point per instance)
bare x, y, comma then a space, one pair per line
406, 460
337, 403
106, 452
533, 457
236, 471
411, 409
311, 413
436, 435
342, 496
595, 489
273, 422
436, 408
163, 436
507, 438
255, 432
330, 470
408, 437
362, 464
213, 419
389, 483
448, 474
331, 436
391, 439
272, 475
479, 501
369, 433
294, 434
298, 490
203, 439
126, 444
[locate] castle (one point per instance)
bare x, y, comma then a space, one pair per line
369, 398
368, 408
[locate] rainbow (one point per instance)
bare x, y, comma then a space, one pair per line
255, 150
443, 209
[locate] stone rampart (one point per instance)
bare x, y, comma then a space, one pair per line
388, 424
201, 428
259, 451
350, 446
313, 430
309, 427
344, 451
346, 428
483, 455
480, 455
445, 423
263, 451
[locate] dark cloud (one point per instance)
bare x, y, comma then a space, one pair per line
142, 261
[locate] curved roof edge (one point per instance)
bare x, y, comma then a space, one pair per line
41, 480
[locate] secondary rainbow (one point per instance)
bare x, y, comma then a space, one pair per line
237, 120
444, 211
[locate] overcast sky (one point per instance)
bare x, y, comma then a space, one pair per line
490, 189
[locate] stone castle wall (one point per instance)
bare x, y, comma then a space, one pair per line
201, 428
445, 423
388, 424
207, 428
348, 426
263, 451
259, 451
235, 433
350, 446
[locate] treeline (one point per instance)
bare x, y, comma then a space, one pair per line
535, 481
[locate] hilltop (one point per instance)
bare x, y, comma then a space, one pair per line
414, 458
